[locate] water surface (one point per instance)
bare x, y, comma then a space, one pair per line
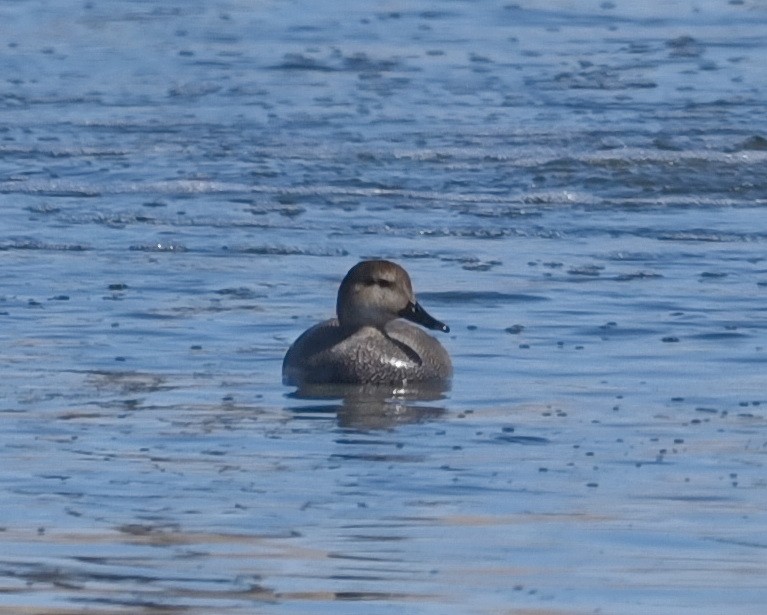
577, 189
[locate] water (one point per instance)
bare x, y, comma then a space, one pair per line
577, 189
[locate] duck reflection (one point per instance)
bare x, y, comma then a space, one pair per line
368, 407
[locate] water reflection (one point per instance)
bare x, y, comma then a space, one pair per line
371, 406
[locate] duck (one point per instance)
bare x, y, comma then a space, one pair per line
371, 341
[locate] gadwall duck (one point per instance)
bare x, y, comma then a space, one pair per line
369, 343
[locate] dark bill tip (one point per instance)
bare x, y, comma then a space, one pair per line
415, 313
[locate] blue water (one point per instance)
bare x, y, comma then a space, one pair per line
578, 189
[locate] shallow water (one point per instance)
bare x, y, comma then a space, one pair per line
577, 189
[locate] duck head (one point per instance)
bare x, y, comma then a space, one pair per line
376, 292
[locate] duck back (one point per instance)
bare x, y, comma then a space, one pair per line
400, 353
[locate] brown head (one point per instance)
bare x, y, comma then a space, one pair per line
376, 292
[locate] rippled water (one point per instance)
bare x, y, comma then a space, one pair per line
578, 189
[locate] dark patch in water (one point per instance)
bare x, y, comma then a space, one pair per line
241, 292
509, 439
714, 337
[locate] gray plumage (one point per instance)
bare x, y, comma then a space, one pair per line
369, 343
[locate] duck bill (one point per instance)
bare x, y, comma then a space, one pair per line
415, 313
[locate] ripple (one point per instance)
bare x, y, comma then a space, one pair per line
276, 250
489, 297
33, 245
526, 440
159, 247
